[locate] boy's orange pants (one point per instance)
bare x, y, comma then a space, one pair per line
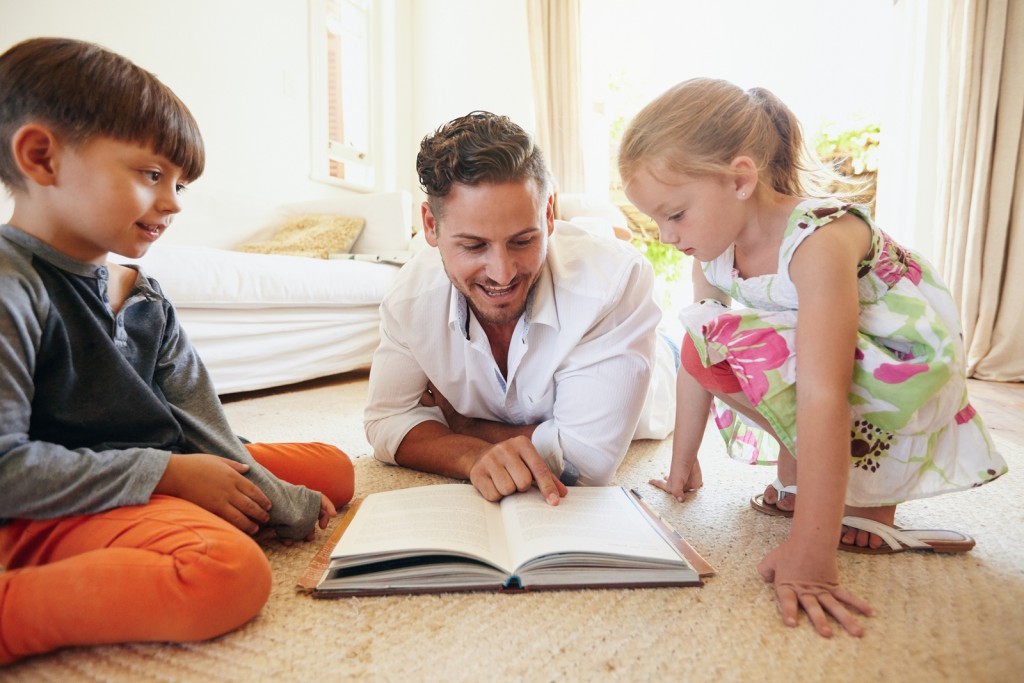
164, 571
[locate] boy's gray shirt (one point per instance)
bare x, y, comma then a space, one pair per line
93, 403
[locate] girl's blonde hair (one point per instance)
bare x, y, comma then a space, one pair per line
698, 127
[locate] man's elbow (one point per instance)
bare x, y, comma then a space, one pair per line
598, 473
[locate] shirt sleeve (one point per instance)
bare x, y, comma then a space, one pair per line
39, 479
189, 391
602, 386
397, 382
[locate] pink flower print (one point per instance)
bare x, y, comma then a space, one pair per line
965, 415
894, 263
913, 270
751, 352
895, 373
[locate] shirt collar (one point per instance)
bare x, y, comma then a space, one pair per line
540, 307
51, 255
66, 263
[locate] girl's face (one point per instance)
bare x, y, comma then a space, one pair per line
700, 217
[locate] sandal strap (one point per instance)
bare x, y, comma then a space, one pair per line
895, 538
783, 490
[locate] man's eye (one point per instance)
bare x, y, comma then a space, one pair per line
472, 247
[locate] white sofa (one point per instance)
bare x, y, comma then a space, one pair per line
261, 321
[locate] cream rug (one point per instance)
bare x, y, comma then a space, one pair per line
958, 618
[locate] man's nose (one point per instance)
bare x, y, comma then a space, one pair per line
501, 267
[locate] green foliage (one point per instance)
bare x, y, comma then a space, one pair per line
669, 263
854, 144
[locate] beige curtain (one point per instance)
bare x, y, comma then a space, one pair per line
554, 27
981, 182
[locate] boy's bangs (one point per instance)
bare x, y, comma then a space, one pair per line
161, 120
177, 137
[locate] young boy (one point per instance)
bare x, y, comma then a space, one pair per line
127, 504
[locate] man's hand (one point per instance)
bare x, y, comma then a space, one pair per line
432, 398
216, 484
514, 465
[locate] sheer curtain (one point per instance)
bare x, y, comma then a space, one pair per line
554, 27
951, 180
980, 201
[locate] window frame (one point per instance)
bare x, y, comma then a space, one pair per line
323, 153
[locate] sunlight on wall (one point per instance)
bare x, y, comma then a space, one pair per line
824, 58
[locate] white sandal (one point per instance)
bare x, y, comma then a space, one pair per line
757, 502
898, 540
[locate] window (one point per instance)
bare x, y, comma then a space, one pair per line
341, 65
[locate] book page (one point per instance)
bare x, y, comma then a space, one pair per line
442, 518
597, 520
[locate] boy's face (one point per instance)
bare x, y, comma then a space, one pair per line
109, 196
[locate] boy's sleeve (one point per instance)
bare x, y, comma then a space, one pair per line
189, 391
40, 480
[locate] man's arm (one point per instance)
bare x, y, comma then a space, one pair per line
602, 386
407, 430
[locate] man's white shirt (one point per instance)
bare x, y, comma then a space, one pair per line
580, 364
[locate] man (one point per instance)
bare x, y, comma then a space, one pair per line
516, 352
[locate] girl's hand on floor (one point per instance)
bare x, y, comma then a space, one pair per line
683, 478
803, 581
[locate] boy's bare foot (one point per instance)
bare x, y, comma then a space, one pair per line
858, 537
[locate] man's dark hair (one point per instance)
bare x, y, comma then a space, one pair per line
81, 90
479, 147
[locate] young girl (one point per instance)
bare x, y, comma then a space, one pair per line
877, 401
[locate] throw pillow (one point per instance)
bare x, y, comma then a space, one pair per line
312, 235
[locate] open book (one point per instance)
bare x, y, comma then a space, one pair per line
449, 538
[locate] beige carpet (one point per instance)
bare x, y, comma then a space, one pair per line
958, 618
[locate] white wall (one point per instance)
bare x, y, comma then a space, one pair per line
467, 55
242, 67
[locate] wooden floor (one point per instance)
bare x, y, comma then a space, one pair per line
1001, 405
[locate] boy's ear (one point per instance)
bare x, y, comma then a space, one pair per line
34, 147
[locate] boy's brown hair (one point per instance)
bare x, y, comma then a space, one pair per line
81, 90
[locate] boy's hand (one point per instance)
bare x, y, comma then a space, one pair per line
683, 478
216, 484
327, 512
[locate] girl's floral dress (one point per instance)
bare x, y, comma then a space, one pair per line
913, 431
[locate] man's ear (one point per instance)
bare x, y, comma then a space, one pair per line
429, 224
550, 213
34, 148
